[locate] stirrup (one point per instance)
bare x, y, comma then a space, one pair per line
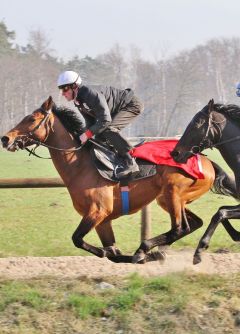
125, 172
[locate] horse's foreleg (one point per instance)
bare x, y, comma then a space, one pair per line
223, 213
109, 250
167, 238
106, 235
185, 224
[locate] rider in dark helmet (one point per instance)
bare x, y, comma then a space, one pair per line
238, 89
106, 110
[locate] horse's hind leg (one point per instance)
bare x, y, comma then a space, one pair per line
222, 215
193, 221
106, 235
234, 234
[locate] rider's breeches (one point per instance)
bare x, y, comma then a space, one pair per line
119, 122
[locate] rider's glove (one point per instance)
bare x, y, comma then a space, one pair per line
85, 136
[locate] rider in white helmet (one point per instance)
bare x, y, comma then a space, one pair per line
68, 78
106, 110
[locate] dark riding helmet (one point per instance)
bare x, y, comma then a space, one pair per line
238, 89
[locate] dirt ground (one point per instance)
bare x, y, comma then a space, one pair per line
93, 267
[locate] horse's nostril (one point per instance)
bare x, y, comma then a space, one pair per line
174, 154
196, 149
4, 141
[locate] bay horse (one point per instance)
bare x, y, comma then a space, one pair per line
215, 126
98, 200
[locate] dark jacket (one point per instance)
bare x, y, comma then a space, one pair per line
100, 103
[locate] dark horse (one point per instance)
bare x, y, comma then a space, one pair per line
216, 125
98, 200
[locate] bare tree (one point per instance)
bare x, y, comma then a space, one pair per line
39, 43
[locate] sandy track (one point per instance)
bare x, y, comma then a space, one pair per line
90, 266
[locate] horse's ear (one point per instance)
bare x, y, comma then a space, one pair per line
210, 105
48, 104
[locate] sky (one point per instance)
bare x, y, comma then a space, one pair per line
91, 27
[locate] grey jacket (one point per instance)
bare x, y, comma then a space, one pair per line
100, 103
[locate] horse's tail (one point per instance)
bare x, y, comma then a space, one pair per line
223, 183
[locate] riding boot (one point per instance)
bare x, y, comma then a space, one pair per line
122, 146
130, 168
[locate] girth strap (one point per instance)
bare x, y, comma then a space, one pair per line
125, 199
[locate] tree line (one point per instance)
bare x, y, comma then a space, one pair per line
172, 88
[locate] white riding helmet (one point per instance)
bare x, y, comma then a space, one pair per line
68, 78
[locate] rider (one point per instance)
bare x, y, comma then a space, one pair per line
106, 110
238, 89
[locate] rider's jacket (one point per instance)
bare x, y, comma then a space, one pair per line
100, 103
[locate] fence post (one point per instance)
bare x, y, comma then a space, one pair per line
146, 222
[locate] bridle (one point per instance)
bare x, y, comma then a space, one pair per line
206, 142
21, 140
43, 121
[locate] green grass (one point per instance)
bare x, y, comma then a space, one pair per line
40, 222
176, 303
85, 305
15, 292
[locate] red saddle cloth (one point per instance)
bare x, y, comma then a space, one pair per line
158, 152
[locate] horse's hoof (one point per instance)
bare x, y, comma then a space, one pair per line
121, 259
197, 259
111, 251
139, 257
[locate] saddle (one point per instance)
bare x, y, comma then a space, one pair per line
148, 156
107, 162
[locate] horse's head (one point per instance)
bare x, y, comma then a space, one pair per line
32, 129
196, 136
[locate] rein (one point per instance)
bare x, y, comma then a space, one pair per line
38, 143
23, 139
42, 143
69, 150
226, 141
32, 152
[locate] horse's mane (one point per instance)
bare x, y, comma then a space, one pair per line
230, 110
69, 120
